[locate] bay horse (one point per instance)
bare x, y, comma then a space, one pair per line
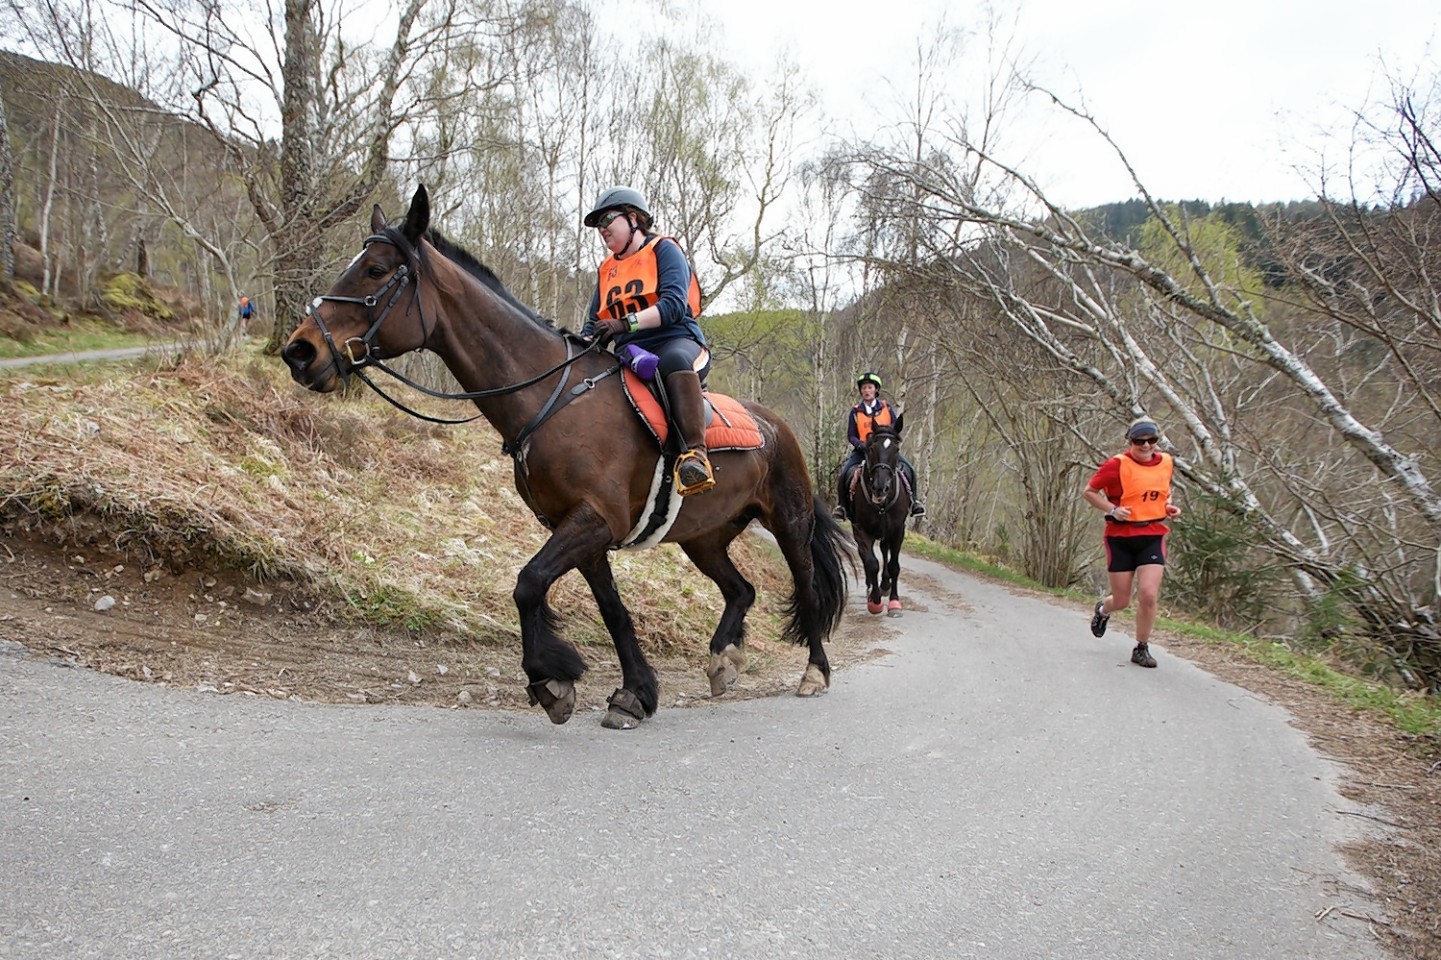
585, 462
880, 507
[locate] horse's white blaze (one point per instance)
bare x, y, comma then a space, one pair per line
354, 260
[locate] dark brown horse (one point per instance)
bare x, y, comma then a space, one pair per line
879, 511
585, 463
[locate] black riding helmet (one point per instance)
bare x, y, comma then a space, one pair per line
620, 198
869, 376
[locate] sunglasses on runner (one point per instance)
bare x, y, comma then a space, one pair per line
1140, 441
606, 219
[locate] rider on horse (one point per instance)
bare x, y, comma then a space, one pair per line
647, 294
865, 416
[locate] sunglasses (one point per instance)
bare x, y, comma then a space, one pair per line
606, 219
1138, 441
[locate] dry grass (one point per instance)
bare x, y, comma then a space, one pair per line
382, 518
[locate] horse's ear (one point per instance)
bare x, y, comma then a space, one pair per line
900, 423
417, 218
377, 219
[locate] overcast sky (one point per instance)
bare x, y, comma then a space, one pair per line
1216, 100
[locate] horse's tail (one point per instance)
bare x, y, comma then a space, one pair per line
828, 582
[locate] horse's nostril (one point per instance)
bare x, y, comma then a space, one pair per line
297, 354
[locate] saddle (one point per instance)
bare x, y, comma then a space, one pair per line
728, 425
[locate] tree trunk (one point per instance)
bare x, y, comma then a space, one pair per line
47, 207
7, 198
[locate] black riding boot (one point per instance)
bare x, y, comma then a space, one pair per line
918, 509
687, 406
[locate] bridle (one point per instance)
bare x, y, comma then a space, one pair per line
400, 280
869, 473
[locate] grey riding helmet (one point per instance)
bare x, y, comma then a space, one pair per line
619, 198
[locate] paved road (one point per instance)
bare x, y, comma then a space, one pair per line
1002, 785
78, 356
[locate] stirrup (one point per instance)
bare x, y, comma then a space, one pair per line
699, 486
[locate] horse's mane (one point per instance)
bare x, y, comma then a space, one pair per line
467, 261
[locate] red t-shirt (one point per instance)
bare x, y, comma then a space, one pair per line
1108, 481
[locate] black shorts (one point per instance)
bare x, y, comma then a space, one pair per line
1125, 554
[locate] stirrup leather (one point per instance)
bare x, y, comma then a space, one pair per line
699, 486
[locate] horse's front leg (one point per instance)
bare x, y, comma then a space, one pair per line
893, 576
866, 547
639, 693
550, 662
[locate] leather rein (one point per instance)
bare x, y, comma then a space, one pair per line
367, 356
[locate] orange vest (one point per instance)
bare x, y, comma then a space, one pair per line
865, 423
1145, 489
630, 285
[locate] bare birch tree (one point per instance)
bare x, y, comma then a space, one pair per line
1259, 411
7, 198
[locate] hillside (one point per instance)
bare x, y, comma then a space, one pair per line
255, 537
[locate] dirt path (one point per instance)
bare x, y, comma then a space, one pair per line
118, 353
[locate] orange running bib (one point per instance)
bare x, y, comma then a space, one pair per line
1145, 489
632, 284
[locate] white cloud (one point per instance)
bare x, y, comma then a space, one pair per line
1224, 100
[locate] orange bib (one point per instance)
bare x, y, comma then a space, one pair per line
632, 284
1145, 489
865, 423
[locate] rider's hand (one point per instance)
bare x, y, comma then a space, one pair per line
607, 330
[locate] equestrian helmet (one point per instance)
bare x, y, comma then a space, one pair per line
869, 376
619, 198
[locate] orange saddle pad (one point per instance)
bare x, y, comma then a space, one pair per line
729, 426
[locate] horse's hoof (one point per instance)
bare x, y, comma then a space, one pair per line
813, 682
725, 667
874, 607
625, 713
894, 608
556, 696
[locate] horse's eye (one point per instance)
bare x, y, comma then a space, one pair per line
375, 273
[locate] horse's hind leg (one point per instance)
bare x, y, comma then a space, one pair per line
552, 664
813, 546
711, 557
638, 694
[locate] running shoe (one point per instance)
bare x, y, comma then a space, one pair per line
1099, 620
1141, 656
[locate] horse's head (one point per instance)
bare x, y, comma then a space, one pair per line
372, 311
883, 454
